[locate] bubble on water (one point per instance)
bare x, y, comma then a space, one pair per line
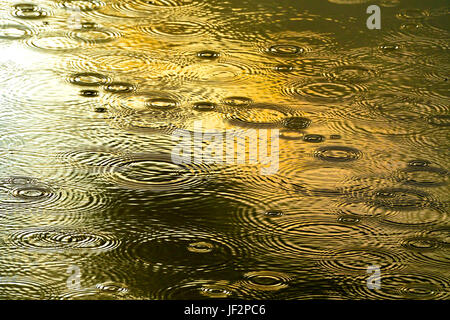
119, 87
89, 93
208, 55
313, 138
200, 247
205, 106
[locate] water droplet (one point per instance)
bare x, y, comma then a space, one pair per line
284, 68
238, 101
285, 50
205, 106
161, 103
88, 79
337, 153
200, 247
274, 213
296, 123
89, 93
314, 138
119, 87
208, 55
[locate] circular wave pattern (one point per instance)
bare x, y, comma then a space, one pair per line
119, 87
260, 116
400, 286
28, 11
184, 251
175, 29
323, 91
351, 73
95, 35
63, 240
356, 260
14, 31
157, 173
54, 197
265, 280
88, 79
12, 288
420, 176
338, 154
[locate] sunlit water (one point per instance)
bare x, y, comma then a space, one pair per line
91, 92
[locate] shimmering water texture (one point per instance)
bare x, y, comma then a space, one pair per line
93, 91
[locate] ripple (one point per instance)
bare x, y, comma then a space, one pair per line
95, 35
39, 93
265, 280
260, 115
428, 251
167, 3
238, 101
412, 286
114, 61
356, 260
321, 91
293, 237
157, 173
182, 251
198, 290
205, 106
420, 176
222, 71
351, 73
119, 87
208, 55
82, 5
55, 197
52, 239
338, 153
14, 288
14, 31
175, 29
54, 42
98, 160
439, 120
313, 138
88, 79
28, 11
285, 50
296, 123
